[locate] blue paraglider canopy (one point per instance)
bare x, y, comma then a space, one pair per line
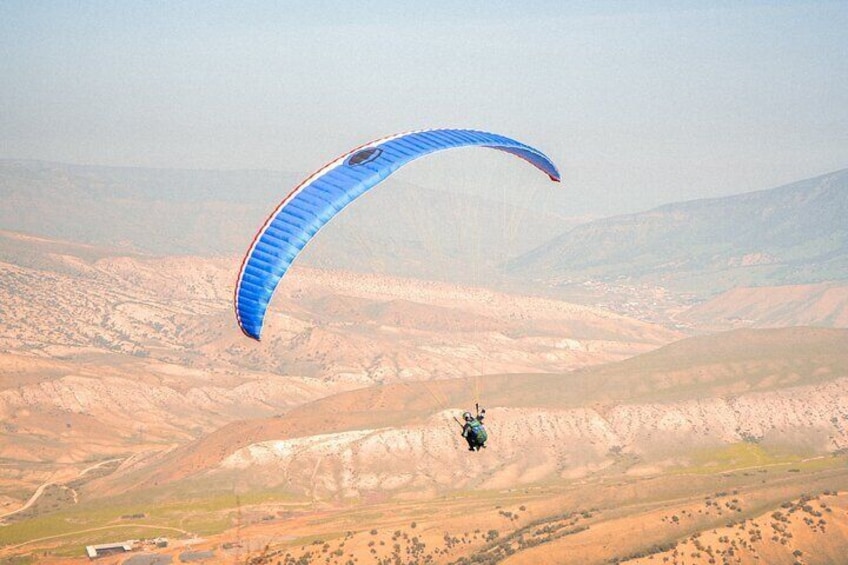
316, 200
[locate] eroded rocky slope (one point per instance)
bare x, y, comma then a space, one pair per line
529, 445
104, 354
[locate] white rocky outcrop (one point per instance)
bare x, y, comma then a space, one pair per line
530, 444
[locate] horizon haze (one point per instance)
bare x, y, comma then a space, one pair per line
640, 104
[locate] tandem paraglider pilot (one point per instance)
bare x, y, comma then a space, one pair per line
474, 431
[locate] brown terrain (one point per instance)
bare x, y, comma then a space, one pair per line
131, 407
824, 304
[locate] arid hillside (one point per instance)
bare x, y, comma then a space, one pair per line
771, 391
823, 304
131, 405
730, 447
106, 355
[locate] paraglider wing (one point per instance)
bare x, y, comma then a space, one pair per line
325, 193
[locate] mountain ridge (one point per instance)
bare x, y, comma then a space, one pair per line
785, 235
793, 234
440, 232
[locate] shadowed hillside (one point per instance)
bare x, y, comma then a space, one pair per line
824, 304
789, 235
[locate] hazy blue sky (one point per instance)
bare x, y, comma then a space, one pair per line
640, 103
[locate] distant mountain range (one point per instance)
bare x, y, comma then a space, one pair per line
157, 211
797, 233
398, 228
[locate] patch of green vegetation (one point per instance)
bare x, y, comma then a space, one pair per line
731, 457
746, 455
18, 560
366, 517
821, 463
80, 528
314, 539
98, 521
489, 495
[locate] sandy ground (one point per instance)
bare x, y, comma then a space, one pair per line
766, 516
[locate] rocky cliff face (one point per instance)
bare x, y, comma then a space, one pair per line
528, 445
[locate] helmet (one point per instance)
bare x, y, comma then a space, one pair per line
467, 416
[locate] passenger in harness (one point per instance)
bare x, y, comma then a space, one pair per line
474, 431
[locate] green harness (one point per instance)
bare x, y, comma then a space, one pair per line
477, 432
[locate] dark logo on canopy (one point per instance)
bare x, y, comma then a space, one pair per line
364, 156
